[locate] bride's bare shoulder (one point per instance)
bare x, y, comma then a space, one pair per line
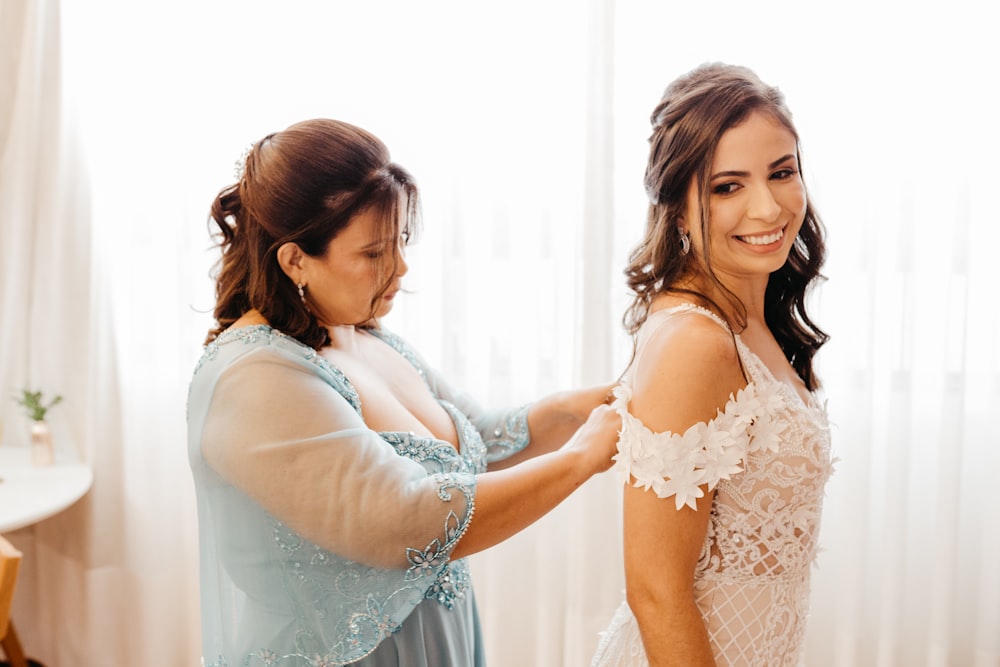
687, 370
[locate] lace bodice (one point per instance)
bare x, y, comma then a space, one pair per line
767, 455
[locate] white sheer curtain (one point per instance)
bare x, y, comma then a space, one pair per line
525, 124
108, 582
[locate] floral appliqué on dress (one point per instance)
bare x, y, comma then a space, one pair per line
678, 464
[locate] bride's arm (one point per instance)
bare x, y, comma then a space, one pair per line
662, 545
686, 375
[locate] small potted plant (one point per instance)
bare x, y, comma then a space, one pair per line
35, 406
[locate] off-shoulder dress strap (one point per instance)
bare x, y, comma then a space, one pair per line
691, 308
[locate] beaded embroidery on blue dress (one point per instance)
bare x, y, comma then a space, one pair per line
359, 575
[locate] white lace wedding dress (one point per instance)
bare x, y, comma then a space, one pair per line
767, 454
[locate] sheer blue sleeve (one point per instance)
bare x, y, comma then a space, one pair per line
317, 539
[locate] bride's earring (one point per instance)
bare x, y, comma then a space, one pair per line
302, 291
685, 242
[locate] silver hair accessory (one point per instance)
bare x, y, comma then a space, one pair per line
302, 291
240, 166
685, 242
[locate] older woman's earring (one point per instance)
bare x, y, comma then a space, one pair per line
685, 242
302, 291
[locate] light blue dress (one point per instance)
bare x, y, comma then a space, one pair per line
322, 542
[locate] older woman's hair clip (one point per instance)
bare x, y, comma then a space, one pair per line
239, 167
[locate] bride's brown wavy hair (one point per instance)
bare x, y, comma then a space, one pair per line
691, 117
301, 185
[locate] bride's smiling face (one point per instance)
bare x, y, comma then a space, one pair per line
757, 201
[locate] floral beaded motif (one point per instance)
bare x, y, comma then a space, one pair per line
451, 584
364, 627
509, 438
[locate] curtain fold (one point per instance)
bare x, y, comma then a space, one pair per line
110, 581
525, 125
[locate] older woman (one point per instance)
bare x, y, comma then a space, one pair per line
340, 480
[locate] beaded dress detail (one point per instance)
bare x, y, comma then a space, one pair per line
767, 455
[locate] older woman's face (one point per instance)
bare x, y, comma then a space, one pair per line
359, 262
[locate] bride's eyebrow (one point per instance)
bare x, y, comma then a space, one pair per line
780, 160
744, 174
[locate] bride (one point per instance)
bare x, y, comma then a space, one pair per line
724, 439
